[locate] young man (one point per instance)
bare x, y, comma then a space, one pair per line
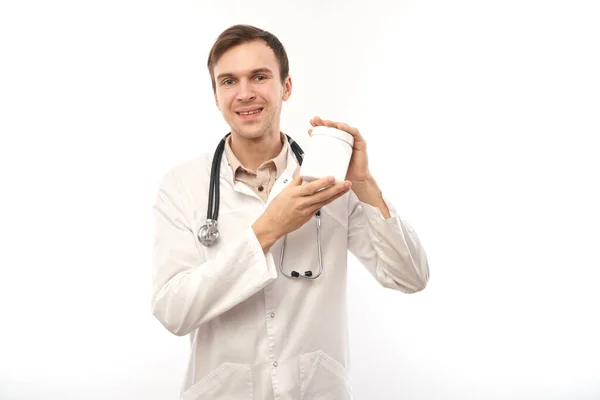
256, 333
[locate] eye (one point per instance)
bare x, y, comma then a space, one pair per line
260, 77
227, 82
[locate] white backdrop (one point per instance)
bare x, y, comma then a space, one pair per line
482, 121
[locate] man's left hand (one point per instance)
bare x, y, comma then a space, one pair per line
363, 183
358, 170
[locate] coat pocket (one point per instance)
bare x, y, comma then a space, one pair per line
322, 377
229, 381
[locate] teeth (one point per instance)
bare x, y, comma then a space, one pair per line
250, 112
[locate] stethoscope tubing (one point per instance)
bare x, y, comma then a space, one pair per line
208, 234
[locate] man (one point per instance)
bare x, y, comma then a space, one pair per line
256, 333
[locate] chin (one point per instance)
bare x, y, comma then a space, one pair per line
249, 134
253, 132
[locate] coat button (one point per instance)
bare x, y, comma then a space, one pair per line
275, 363
272, 315
261, 188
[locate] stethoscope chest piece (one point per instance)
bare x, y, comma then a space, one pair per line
208, 233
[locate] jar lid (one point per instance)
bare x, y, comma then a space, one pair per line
334, 132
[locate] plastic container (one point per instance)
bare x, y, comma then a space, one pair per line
327, 154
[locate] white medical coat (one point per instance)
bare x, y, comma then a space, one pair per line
254, 333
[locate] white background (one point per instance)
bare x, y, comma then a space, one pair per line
482, 119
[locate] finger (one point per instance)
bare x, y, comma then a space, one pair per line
316, 121
331, 124
313, 187
310, 132
321, 204
342, 126
326, 194
347, 128
359, 141
296, 179
324, 122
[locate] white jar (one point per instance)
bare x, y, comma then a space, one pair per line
327, 154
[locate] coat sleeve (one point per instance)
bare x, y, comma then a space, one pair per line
389, 248
188, 291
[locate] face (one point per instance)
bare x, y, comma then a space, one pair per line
249, 92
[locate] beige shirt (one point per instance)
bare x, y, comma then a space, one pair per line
260, 181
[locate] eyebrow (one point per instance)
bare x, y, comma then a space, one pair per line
253, 72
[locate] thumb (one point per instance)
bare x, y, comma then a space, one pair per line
297, 180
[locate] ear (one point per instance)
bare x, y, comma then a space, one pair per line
287, 88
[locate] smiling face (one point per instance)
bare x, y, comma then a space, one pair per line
249, 92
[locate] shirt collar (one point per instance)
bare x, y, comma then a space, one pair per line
280, 161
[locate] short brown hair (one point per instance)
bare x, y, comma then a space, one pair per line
239, 34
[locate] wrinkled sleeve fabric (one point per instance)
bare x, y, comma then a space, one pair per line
188, 291
389, 248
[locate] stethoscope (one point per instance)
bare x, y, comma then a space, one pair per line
208, 233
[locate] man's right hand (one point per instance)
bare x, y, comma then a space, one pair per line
295, 206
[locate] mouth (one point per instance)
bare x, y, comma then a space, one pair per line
250, 114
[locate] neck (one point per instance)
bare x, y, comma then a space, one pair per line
252, 153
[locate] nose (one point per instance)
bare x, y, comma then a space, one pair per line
246, 91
